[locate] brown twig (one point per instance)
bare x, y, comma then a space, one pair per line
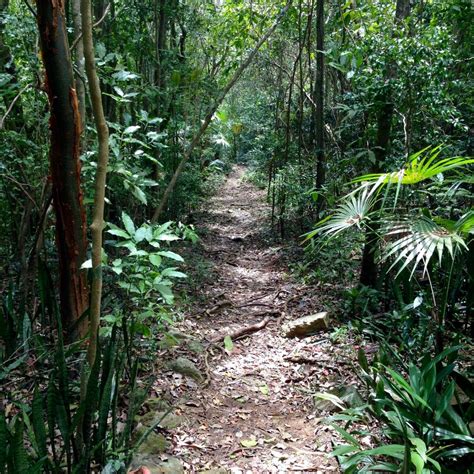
10, 108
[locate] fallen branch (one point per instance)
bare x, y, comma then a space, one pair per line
242, 331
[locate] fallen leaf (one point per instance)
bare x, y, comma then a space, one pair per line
248, 443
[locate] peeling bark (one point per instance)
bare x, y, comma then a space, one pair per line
65, 168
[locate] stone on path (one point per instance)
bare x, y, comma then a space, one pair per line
161, 419
306, 325
170, 466
184, 366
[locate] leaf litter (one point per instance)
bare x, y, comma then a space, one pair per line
256, 411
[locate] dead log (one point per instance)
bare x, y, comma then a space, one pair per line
242, 331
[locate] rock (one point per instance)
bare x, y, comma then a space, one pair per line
166, 421
195, 346
155, 465
170, 466
156, 404
184, 366
154, 444
306, 325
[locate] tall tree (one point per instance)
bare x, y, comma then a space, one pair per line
65, 126
369, 270
319, 101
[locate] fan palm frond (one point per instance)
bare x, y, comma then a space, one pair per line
421, 166
421, 238
352, 212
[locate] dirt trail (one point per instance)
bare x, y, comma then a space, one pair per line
255, 413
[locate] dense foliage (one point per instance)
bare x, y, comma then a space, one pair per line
355, 116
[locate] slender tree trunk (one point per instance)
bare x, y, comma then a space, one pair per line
65, 126
212, 111
369, 269
160, 31
97, 225
79, 59
319, 100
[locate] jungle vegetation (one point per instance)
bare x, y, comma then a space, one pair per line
118, 119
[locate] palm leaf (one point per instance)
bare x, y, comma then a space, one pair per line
421, 166
420, 239
353, 211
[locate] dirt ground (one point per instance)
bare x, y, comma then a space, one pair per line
254, 411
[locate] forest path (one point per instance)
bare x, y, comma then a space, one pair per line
254, 414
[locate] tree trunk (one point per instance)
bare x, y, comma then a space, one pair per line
319, 100
97, 226
65, 126
79, 59
369, 269
160, 40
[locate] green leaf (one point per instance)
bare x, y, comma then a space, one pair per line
140, 194
393, 450
417, 461
228, 344
19, 454
140, 234
172, 255
128, 223
346, 435
155, 259
167, 237
119, 233
172, 273
331, 398
248, 443
38, 423
132, 129
165, 292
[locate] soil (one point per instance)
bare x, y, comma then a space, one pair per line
254, 410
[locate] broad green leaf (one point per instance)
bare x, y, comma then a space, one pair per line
132, 129
171, 255
128, 223
140, 234
173, 273
155, 259
165, 292
119, 233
